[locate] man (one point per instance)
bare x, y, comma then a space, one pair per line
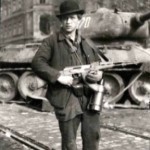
68, 48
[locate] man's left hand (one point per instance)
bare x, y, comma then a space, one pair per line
94, 76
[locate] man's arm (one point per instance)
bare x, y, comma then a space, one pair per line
41, 66
40, 63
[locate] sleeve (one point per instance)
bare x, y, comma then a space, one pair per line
41, 62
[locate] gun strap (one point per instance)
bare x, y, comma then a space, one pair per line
74, 50
97, 51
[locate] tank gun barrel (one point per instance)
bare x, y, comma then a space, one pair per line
144, 17
140, 19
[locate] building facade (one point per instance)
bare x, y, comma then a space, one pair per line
20, 19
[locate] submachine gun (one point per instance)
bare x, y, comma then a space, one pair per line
95, 103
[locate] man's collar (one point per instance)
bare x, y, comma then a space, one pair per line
61, 36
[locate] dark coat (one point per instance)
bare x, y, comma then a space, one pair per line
54, 55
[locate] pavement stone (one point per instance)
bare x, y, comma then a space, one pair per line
43, 127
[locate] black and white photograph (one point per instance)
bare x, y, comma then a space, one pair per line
74, 74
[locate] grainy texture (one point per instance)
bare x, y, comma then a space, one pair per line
43, 127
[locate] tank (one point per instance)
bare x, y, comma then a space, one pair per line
121, 37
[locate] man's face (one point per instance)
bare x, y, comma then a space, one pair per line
70, 23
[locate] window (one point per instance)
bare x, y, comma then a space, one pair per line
42, 1
14, 29
4, 12
9, 9
5, 34
19, 4
20, 27
14, 5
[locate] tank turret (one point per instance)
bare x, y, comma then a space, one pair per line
106, 24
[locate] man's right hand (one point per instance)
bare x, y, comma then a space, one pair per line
66, 80
145, 67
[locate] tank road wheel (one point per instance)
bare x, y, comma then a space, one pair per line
114, 84
29, 84
140, 90
8, 86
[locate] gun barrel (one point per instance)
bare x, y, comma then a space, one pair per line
144, 17
139, 19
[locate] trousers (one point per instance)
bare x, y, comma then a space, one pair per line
90, 131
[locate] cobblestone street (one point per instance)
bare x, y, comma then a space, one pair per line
43, 127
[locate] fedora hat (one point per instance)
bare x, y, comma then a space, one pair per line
69, 7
